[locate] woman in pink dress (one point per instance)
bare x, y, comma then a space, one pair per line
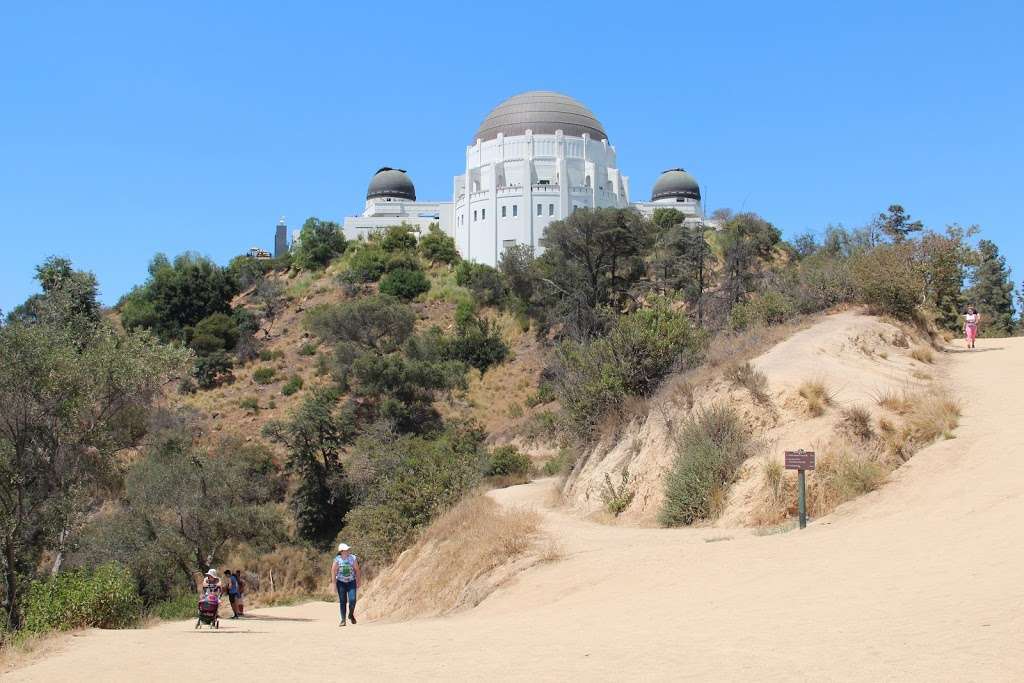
971, 321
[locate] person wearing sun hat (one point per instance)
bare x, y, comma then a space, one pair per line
211, 582
347, 575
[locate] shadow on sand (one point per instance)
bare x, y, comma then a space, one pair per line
267, 617
989, 348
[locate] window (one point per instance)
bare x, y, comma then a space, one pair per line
483, 214
505, 244
551, 209
474, 216
515, 210
540, 209
504, 211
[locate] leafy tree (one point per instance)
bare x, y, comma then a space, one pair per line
437, 247
681, 257
992, 291
68, 297
516, 266
402, 391
747, 242
484, 281
217, 332
404, 283
248, 271
398, 238
73, 396
378, 322
178, 295
805, 245
895, 224
319, 243
944, 260
592, 259
194, 502
212, 368
888, 279
314, 436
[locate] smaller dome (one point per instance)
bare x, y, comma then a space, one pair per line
675, 183
391, 182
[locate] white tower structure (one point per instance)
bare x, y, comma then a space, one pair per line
536, 158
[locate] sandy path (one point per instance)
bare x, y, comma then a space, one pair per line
919, 580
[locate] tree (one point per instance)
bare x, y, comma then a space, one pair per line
314, 436
747, 242
270, 297
71, 398
319, 243
591, 259
193, 502
944, 260
380, 322
437, 247
178, 295
992, 291
485, 282
681, 257
398, 238
516, 265
895, 223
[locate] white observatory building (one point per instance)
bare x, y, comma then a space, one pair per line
535, 159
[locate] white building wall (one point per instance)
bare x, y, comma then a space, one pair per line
544, 177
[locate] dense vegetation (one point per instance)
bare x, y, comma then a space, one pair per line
619, 301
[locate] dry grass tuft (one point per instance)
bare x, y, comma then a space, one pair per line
923, 354
745, 376
897, 402
929, 415
842, 472
856, 420
458, 561
817, 396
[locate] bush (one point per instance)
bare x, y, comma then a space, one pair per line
545, 394
266, 355
366, 264
617, 498
210, 370
438, 247
922, 354
293, 385
307, 349
637, 354
403, 260
560, 464
478, 342
711, 447
381, 323
263, 375
250, 403
380, 532
887, 280
507, 461
404, 284
766, 308
486, 283
857, 421
102, 598
398, 238
215, 332
177, 608
319, 243
819, 282
816, 394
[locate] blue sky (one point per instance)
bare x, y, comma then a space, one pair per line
128, 129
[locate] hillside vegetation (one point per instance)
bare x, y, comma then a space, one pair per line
260, 412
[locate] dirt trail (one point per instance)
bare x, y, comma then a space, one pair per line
919, 580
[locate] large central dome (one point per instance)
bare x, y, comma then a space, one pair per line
542, 112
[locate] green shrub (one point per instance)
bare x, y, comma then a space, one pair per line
486, 283
765, 308
887, 280
366, 264
438, 247
640, 350
263, 375
404, 284
319, 243
617, 498
266, 355
403, 260
103, 598
711, 447
293, 385
210, 370
545, 394
560, 464
378, 322
507, 461
307, 349
250, 403
176, 608
819, 282
398, 238
477, 343
380, 532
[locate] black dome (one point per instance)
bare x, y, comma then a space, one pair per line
543, 112
391, 182
675, 183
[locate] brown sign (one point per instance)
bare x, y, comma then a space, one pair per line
800, 460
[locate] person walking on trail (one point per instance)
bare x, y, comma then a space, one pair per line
232, 592
211, 583
347, 575
971, 320
240, 603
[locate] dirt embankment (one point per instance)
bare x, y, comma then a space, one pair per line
855, 358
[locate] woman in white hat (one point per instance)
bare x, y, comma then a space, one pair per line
211, 582
346, 575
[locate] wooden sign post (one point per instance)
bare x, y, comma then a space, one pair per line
800, 460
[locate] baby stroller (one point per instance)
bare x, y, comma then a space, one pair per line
209, 606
